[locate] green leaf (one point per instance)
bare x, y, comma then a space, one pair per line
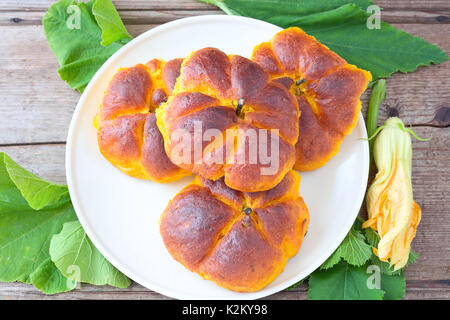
36, 191
11, 198
75, 37
372, 237
334, 259
343, 29
72, 249
394, 286
357, 225
50, 280
381, 51
287, 12
413, 256
25, 238
385, 268
343, 282
353, 249
25, 233
109, 21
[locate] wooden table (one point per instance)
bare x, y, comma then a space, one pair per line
36, 108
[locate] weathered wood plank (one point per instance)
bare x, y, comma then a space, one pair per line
196, 5
120, 4
416, 4
415, 290
129, 17
22, 291
33, 96
133, 17
414, 16
35, 99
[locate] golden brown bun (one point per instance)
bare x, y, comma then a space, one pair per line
207, 92
329, 100
128, 136
205, 228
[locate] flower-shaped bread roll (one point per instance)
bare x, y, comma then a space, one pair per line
226, 118
239, 240
127, 134
328, 91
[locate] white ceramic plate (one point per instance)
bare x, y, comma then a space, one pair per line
120, 214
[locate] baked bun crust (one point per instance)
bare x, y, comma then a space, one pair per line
239, 240
127, 134
207, 94
328, 91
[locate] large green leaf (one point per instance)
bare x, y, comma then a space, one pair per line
283, 13
343, 29
77, 46
342, 282
381, 51
73, 250
25, 238
25, 233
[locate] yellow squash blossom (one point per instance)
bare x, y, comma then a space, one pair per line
390, 205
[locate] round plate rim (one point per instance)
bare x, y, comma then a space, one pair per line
90, 232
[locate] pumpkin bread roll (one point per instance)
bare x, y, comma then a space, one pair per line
234, 117
241, 241
328, 91
127, 134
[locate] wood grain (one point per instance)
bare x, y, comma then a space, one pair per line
417, 290
37, 107
133, 17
